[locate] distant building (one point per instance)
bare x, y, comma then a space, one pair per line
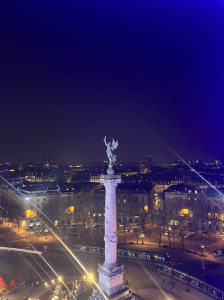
32, 199
193, 202
40, 176
148, 160
94, 177
132, 204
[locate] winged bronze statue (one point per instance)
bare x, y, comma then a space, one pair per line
110, 147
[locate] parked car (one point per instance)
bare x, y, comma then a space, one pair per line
169, 232
204, 232
218, 234
217, 253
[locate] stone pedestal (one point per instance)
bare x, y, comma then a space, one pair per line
110, 273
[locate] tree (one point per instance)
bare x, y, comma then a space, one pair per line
66, 209
177, 214
126, 206
160, 223
16, 212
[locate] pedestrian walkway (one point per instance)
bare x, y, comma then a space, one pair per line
169, 288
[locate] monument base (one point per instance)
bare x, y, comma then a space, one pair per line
111, 283
121, 295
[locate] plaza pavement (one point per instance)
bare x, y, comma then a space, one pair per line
150, 243
171, 289
168, 288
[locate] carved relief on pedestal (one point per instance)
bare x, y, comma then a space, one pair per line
96, 295
112, 239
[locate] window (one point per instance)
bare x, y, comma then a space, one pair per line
118, 201
37, 206
31, 207
38, 200
124, 200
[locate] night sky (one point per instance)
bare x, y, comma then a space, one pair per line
141, 72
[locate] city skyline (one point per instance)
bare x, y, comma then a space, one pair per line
149, 75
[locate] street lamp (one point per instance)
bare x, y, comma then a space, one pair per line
142, 236
202, 248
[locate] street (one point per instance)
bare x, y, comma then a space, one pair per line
32, 271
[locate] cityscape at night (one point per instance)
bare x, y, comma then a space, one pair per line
111, 154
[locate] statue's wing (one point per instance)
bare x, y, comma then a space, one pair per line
114, 144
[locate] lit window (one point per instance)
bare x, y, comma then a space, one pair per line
184, 211
124, 200
30, 214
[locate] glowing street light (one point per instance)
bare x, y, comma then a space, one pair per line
142, 236
89, 278
202, 248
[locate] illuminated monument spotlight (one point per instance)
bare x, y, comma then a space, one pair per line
110, 273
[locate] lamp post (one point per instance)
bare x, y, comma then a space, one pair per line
202, 248
142, 236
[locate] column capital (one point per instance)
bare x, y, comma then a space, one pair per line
110, 180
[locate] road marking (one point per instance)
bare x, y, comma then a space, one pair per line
21, 250
153, 279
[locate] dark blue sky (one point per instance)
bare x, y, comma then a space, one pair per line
75, 71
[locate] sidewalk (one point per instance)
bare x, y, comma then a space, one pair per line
169, 288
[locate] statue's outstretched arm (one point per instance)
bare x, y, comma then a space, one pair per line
105, 140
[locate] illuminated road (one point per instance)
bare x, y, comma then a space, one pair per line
14, 267
145, 284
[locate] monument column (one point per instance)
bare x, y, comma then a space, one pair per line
110, 273
110, 183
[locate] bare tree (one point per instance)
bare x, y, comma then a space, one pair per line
177, 217
160, 223
125, 207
